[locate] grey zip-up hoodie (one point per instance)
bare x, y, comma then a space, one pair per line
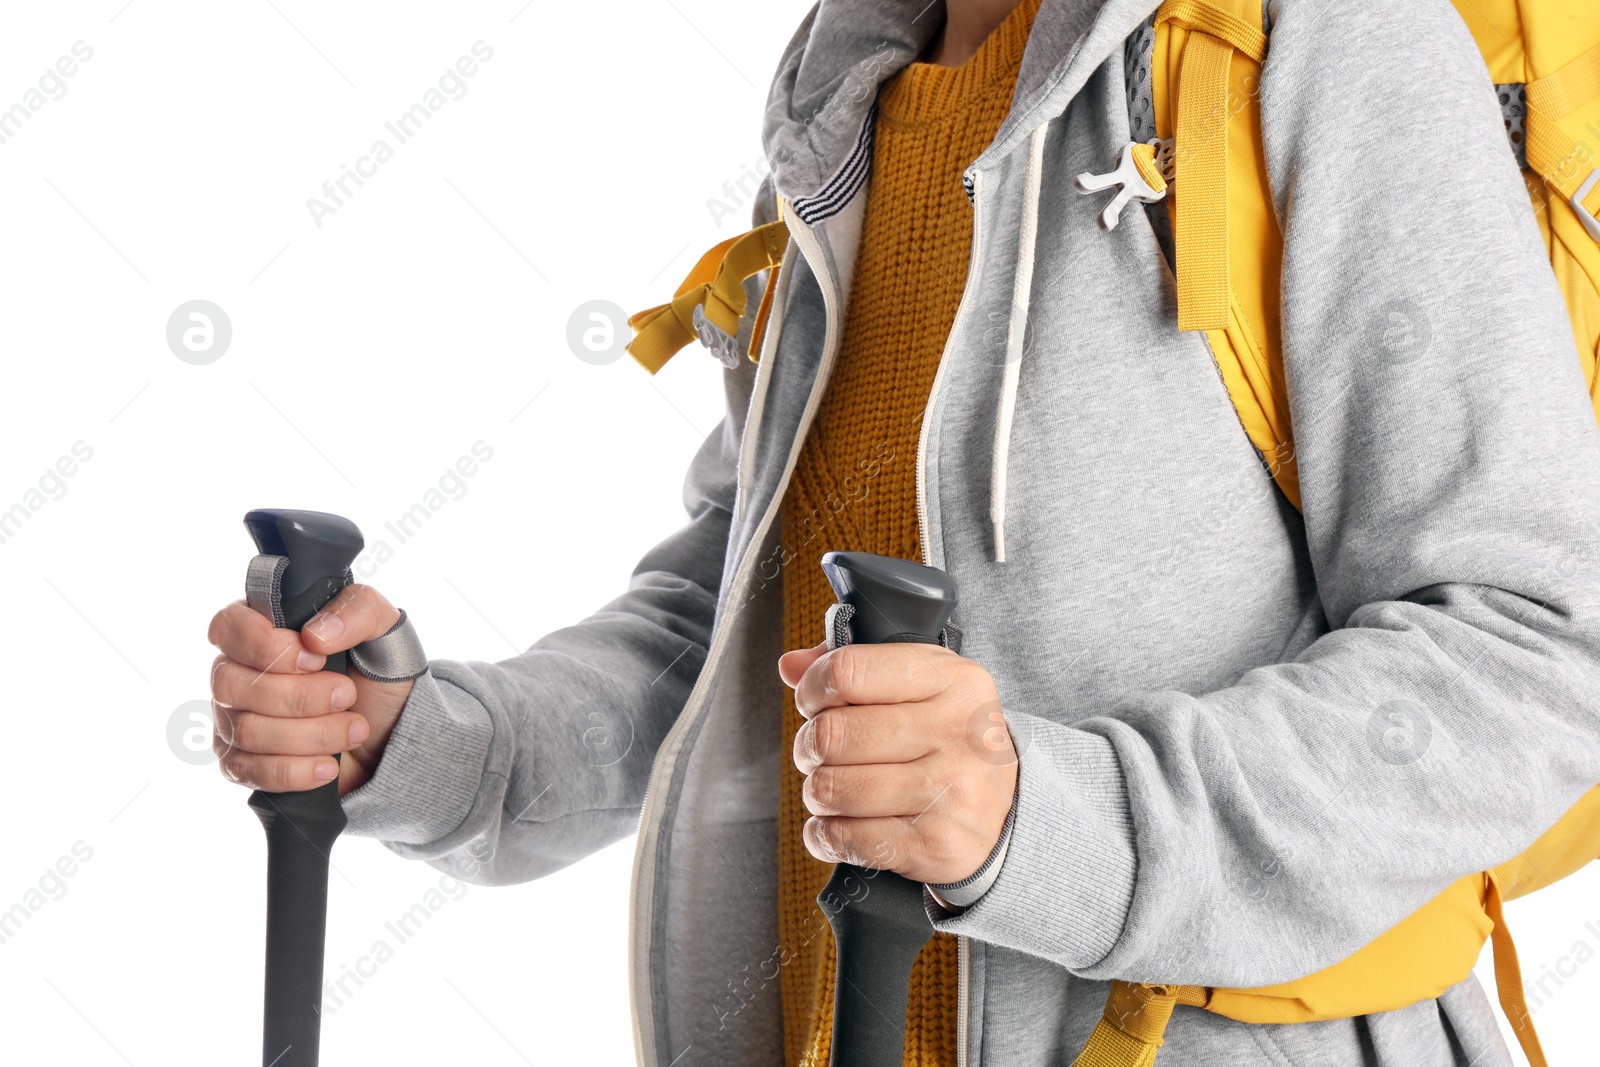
1250, 741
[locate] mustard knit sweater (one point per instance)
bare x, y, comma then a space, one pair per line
855, 485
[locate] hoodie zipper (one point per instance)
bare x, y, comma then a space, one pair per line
694, 707
974, 186
963, 997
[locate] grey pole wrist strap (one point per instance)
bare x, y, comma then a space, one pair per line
396, 656
836, 626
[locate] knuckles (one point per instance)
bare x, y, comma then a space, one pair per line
842, 676
248, 733
821, 791
225, 623
818, 837
941, 852
232, 766
273, 777
843, 672
215, 628
303, 701
846, 669
969, 681
222, 727
218, 693
826, 737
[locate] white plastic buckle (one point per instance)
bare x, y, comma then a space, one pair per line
1590, 223
1131, 184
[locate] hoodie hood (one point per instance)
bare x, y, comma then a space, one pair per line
817, 130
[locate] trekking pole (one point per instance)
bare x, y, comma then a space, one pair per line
305, 560
878, 919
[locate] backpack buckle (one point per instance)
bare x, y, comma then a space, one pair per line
1590, 223
1142, 174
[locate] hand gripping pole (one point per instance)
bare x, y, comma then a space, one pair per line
878, 919
305, 560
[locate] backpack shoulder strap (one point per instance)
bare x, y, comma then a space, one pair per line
1544, 56
1228, 250
1234, 300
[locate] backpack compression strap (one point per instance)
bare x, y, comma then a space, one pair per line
715, 287
1567, 165
1130, 1030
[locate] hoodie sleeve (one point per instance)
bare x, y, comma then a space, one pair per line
1450, 471
504, 772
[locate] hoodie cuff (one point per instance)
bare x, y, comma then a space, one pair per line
431, 769
1066, 884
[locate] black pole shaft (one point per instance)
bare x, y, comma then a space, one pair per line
878, 919
300, 827
879, 929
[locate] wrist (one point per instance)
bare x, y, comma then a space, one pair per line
958, 896
381, 704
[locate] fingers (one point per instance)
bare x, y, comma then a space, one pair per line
870, 792
359, 613
901, 845
246, 635
875, 674
791, 665
901, 772
881, 844
296, 722
294, 696
258, 734
279, 715
873, 733
276, 774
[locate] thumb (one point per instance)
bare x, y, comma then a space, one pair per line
791, 665
359, 613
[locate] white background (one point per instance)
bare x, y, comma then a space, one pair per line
428, 313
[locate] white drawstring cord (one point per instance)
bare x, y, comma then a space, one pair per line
1021, 293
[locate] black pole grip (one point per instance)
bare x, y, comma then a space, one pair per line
878, 920
301, 827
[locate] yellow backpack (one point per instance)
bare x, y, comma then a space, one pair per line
1228, 258
1228, 252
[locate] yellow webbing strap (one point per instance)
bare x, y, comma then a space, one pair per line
1508, 977
716, 284
1130, 1030
1565, 91
763, 313
1202, 155
1220, 23
1560, 160
1144, 161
